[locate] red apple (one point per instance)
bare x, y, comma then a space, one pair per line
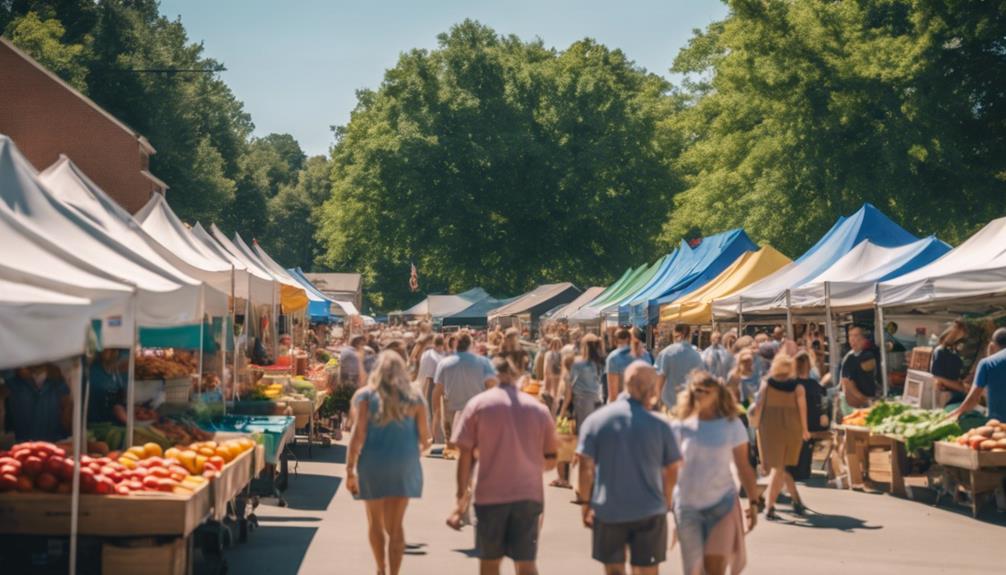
8, 482
24, 483
32, 466
46, 481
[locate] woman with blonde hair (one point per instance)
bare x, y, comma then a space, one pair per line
707, 507
780, 416
391, 432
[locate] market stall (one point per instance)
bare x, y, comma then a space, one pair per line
525, 310
694, 264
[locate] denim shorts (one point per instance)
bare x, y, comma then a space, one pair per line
696, 525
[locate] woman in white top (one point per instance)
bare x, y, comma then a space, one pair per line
706, 505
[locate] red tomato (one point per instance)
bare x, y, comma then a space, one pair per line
24, 483
167, 484
151, 483
87, 481
32, 466
47, 481
121, 490
54, 466
13, 468
104, 485
66, 472
22, 454
8, 482
7, 459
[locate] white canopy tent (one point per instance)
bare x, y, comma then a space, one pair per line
261, 286
71, 186
163, 298
976, 269
39, 325
851, 282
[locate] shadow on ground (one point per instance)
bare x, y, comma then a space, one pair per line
283, 555
308, 492
336, 453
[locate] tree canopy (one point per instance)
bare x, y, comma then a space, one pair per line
802, 111
497, 162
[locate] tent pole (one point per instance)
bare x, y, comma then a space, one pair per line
789, 316
131, 379
830, 325
274, 328
881, 334
740, 318
78, 385
202, 316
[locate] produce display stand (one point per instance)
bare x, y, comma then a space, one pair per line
306, 418
900, 464
977, 473
273, 433
133, 517
860, 456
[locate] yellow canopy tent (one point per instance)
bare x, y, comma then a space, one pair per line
696, 307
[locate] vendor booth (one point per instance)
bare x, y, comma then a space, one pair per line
528, 308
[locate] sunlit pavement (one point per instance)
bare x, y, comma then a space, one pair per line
323, 530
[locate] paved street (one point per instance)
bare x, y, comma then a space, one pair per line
323, 530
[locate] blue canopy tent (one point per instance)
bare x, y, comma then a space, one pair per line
769, 294
692, 268
319, 306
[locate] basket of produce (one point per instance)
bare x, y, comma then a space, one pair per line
918, 428
176, 391
981, 447
566, 428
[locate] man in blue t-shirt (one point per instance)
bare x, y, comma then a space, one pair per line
618, 360
990, 380
629, 464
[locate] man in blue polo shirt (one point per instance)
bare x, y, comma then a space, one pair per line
629, 464
675, 362
618, 360
990, 380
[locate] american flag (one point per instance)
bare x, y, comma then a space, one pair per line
414, 278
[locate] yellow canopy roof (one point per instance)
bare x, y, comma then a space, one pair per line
696, 307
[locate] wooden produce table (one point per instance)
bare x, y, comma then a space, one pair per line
978, 473
856, 444
233, 478
135, 515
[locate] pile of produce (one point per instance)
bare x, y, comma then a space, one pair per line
266, 391
304, 387
564, 426
919, 428
883, 410
42, 466
181, 432
857, 418
989, 437
532, 386
207, 458
169, 364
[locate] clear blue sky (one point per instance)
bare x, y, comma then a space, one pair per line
296, 64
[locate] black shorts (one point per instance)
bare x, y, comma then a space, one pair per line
646, 539
509, 529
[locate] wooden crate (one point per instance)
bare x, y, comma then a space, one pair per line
954, 455
234, 477
151, 559
136, 515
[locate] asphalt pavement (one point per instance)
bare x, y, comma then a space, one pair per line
322, 530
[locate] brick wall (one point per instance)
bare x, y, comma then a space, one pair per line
46, 119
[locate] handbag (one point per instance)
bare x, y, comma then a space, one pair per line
801, 471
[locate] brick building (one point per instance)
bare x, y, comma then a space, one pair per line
47, 117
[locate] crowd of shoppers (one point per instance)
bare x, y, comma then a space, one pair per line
672, 435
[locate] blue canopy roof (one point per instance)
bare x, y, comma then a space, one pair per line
691, 268
319, 305
868, 223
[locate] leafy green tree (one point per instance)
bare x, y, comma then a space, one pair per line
804, 110
496, 162
44, 39
293, 213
